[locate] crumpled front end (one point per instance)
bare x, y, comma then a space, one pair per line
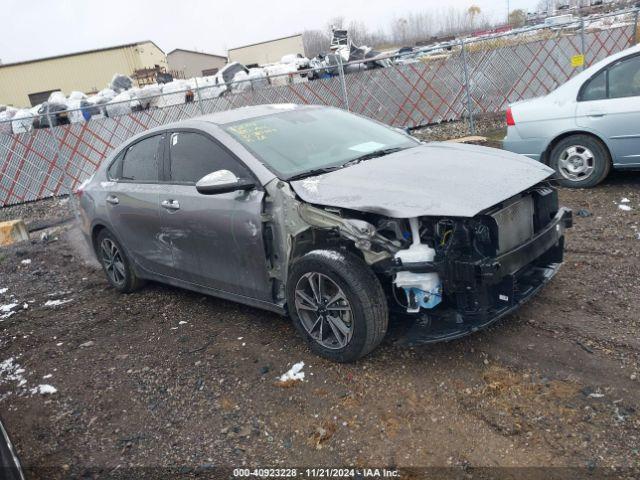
449, 275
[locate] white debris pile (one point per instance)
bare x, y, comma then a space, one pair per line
294, 374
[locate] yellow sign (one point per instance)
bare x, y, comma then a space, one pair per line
577, 61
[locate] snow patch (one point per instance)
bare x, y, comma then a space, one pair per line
12, 372
330, 254
3, 290
7, 307
181, 322
626, 208
45, 389
55, 303
625, 200
294, 373
26, 261
311, 184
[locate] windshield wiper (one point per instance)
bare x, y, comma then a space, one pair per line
314, 172
375, 154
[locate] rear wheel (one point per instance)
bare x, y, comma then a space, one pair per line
580, 161
337, 304
116, 264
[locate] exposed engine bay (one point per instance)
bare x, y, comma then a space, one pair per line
452, 275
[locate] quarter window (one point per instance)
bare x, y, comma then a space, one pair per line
141, 161
193, 156
596, 89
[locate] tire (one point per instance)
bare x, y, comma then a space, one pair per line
122, 278
363, 313
570, 159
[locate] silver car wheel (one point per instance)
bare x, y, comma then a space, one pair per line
324, 311
112, 261
576, 163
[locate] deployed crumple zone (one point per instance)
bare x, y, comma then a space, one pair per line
331, 218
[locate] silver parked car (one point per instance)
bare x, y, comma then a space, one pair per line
585, 127
330, 217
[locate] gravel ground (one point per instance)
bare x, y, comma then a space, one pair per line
170, 378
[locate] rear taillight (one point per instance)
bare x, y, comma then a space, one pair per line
510, 121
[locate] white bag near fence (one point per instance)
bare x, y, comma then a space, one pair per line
173, 93
5, 116
120, 105
280, 73
22, 121
148, 95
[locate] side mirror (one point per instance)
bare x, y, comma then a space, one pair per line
222, 181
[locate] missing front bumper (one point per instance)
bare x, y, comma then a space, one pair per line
500, 286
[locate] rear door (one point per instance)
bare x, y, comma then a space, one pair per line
216, 239
609, 105
133, 204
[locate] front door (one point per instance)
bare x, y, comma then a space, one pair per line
610, 106
216, 239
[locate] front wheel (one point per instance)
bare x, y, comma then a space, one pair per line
580, 161
337, 304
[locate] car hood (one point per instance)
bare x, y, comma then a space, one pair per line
435, 179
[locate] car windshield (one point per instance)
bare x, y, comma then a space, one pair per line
295, 142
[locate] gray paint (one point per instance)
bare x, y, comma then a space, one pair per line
215, 244
447, 179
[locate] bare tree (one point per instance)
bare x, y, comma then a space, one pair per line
517, 18
315, 42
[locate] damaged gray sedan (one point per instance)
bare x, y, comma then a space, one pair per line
331, 218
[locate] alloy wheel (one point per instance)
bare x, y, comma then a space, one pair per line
324, 311
112, 261
576, 163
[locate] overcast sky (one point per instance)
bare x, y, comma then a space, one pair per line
40, 28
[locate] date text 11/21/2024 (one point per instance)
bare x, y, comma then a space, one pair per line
312, 473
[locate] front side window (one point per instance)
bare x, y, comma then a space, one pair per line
624, 78
140, 163
194, 155
293, 142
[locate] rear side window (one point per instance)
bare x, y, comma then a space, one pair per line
624, 78
596, 88
192, 156
140, 162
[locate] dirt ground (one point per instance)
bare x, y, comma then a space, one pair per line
165, 377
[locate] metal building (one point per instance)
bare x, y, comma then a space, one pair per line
195, 64
270, 51
30, 82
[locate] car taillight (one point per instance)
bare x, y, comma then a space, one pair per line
510, 121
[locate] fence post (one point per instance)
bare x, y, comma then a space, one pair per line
343, 83
199, 97
584, 57
467, 85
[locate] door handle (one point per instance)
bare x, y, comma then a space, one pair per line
170, 204
113, 200
596, 113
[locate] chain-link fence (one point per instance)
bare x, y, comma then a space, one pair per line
453, 81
